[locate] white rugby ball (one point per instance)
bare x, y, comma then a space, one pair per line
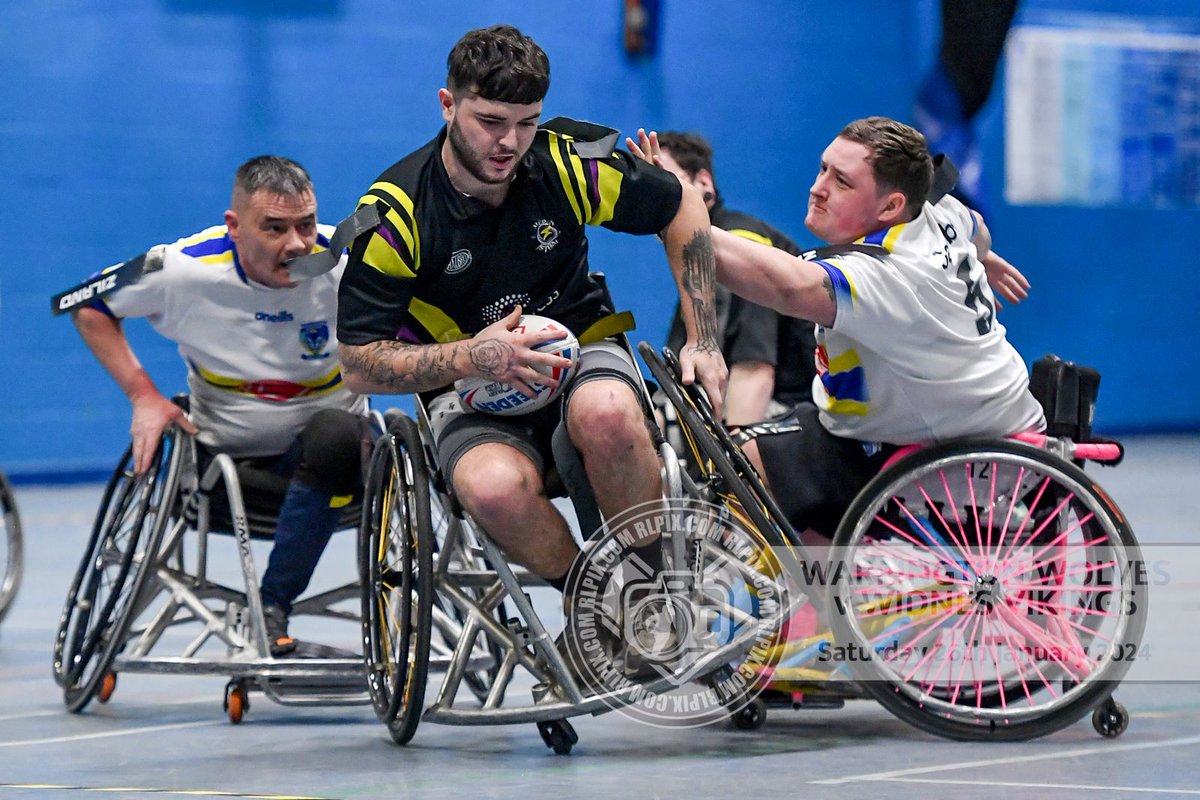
502, 399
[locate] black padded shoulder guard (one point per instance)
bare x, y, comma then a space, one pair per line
587, 138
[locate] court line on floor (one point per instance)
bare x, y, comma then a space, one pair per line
108, 734
991, 762
1047, 786
58, 712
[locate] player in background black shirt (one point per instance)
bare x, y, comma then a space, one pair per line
484, 223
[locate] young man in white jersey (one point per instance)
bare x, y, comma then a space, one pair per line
263, 375
909, 348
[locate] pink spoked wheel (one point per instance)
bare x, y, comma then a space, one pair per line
986, 591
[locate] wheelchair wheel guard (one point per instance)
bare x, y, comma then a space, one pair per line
727, 473
104, 591
10, 547
396, 560
985, 591
692, 644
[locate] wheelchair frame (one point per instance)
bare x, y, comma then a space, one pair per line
132, 588
1050, 683
12, 565
421, 554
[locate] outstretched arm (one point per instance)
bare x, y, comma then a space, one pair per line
760, 273
689, 247
152, 411
770, 277
1005, 279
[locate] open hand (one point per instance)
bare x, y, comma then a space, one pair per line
500, 353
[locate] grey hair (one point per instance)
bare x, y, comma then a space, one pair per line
274, 174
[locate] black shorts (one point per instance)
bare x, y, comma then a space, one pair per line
813, 474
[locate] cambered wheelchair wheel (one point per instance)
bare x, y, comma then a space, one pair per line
986, 591
727, 472
396, 554
127, 532
11, 553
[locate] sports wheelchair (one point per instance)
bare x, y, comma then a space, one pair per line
427, 567
11, 557
147, 597
980, 590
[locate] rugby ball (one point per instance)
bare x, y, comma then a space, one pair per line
502, 399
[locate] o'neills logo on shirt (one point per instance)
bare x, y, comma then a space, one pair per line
282, 316
459, 260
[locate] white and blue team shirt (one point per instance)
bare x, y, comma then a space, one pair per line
261, 361
915, 353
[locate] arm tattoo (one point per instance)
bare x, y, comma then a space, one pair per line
403, 368
827, 285
699, 278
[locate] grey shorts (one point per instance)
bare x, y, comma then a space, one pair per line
457, 428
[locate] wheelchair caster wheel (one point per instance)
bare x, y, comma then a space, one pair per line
1111, 719
237, 701
559, 736
107, 686
751, 716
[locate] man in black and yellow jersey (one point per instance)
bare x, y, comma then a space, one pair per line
770, 355
485, 222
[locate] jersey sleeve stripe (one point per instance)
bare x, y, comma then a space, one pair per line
217, 258
437, 322
564, 176
215, 233
581, 185
390, 248
210, 246
577, 187
402, 213
608, 184
752, 236
843, 287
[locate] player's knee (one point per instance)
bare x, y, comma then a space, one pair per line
494, 485
604, 418
332, 447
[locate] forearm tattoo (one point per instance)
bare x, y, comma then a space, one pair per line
699, 279
402, 368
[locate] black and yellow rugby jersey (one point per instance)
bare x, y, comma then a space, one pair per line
442, 266
751, 332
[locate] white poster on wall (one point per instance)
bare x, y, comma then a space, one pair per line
1102, 113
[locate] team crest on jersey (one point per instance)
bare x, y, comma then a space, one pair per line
545, 234
314, 336
459, 260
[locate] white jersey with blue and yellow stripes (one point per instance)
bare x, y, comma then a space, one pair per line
915, 353
260, 361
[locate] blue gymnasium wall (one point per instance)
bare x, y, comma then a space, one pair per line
121, 124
